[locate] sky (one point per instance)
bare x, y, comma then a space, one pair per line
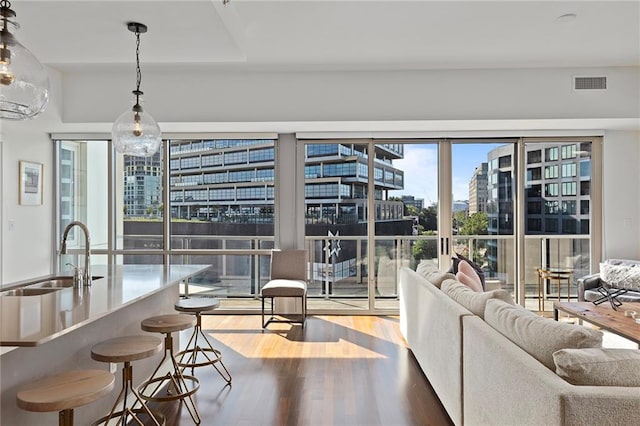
420, 165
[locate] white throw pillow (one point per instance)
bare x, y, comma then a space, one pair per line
599, 367
621, 276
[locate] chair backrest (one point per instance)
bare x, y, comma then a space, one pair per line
289, 264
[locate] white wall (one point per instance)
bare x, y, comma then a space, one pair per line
216, 96
621, 194
27, 230
240, 100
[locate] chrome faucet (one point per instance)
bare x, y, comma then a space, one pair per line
86, 274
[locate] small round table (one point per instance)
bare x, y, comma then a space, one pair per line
553, 274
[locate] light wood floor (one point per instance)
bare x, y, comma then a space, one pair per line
338, 370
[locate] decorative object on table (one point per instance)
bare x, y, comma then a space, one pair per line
24, 82
135, 132
30, 181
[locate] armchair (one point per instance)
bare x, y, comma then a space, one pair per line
588, 285
288, 279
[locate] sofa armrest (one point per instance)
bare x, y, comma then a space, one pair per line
601, 405
587, 283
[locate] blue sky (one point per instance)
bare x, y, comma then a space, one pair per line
420, 165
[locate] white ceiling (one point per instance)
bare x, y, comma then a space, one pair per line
328, 35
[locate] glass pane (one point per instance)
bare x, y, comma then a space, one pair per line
82, 196
483, 179
222, 197
406, 228
336, 177
554, 215
139, 209
228, 278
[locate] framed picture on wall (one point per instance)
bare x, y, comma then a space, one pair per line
30, 192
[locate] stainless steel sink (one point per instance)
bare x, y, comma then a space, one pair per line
26, 291
43, 286
57, 282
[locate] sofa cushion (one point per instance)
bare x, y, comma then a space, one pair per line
621, 276
599, 367
432, 274
473, 300
538, 336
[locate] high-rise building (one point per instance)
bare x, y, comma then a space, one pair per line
142, 185
211, 179
478, 190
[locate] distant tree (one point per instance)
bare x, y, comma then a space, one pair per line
458, 220
476, 224
428, 217
425, 249
410, 210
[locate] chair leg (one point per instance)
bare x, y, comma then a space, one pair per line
263, 324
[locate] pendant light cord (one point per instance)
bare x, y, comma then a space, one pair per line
138, 73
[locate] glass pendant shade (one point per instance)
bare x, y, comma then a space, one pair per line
135, 132
24, 82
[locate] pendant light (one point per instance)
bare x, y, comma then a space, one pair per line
135, 132
24, 83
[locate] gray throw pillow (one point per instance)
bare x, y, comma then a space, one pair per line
538, 336
599, 367
473, 300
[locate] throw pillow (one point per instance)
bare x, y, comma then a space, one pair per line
455, 267
468, 271
621, 276
599, 367
538, 336
472, 300
471, 281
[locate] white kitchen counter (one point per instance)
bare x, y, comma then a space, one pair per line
34, 320
55, 332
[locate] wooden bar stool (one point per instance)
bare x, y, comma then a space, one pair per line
174, 380
210, 356
127, 349
64, 392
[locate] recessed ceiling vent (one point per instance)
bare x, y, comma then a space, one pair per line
590, 83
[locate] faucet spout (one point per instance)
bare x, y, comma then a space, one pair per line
86, 274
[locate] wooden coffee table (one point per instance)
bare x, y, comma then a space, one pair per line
604, 317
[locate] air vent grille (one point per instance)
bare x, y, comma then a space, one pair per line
590, 83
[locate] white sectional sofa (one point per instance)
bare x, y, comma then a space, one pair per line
482, 378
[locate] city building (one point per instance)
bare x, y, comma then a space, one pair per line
478, 190
142, 185
410, 200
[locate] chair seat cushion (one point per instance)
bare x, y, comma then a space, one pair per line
284, 288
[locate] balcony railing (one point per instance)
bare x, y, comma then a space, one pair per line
338, 266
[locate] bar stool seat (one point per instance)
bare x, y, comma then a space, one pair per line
209, 355
65, 391
175, 382
127, 349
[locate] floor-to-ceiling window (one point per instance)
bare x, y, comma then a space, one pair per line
511, 205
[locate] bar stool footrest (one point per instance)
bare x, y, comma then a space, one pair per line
136, 413
173, 394
192, 357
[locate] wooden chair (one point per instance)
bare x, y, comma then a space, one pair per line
288, 279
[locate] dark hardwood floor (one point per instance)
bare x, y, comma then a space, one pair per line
338, 370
